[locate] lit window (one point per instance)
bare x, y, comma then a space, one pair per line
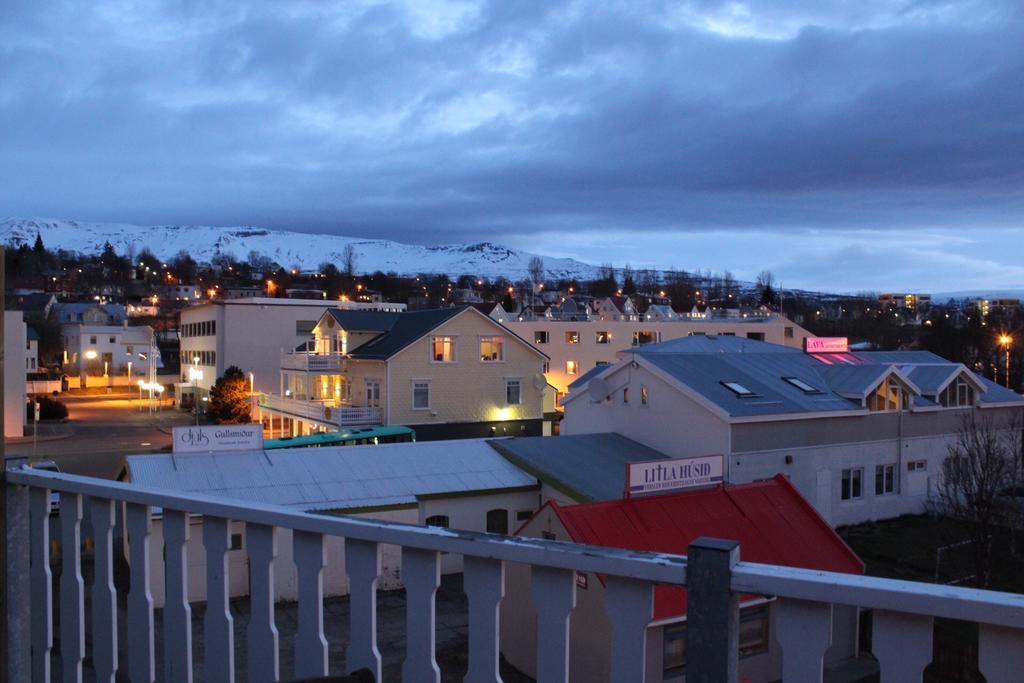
513, 392
572, 367
438, 520
885, 479
643, 395
625, 395
890, 395
540, 337
738, 389
603, 337
572, 337
802, 385
442, 349
851, 483
492, 349
642, 337
421, 395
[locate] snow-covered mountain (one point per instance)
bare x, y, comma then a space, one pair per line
290, 249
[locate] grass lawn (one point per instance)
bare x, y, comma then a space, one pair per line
905, 548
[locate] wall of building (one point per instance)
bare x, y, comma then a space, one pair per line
15, 334
588, 353
467, 390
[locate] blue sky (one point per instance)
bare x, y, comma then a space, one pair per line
844, 145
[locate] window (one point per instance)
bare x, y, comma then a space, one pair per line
625, 395
851, 486
438, 520
546, 367
601, 363
112, 339
547, 535
572, 367
540, 337
959, 394
756, 336
738, 389
788, 332
643, 395
674, 651
421, 395
603, 337
642, 337
497, 521
753, 631
492, 349
130, 350
442, 349
572, 337
802, 385
523, 515
890, 395
917, 465
92, 339
885, 479
513, 392
236, 541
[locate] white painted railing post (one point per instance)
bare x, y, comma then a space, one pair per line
218, 626
712, 612
310, 642
804, 630
262, 646
484, 584
177, 612
421, 574
72, 588
41, 583
902, 643
19, 630
141, 660
1000, 653
104, 595
362, 564
554, 596
630, 605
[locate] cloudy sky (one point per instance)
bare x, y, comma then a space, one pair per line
844, 145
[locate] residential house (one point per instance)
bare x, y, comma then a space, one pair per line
110, 350
661, 313
613, 308
90, 313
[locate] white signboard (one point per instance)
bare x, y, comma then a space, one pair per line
661, 476
214, 438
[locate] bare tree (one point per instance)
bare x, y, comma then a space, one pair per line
766, 286
981, 469
536, 270
348, 260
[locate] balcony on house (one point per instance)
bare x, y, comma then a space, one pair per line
44, 611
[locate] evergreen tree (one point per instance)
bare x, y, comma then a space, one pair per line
38, 246
229, 398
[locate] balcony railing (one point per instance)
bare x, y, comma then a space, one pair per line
903, 611
320, 413
312, 361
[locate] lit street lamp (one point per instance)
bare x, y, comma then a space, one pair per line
1005, 341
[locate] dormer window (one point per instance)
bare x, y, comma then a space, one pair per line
738, 389
802, 385
959, 394
889, 395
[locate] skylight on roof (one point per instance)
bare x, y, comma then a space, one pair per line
738, 389
802, 385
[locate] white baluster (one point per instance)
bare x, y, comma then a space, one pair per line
1000, 653
554, 596
804, 630
362, 564
630, 608
902, 643
262, 634
177, 613
484, 584
218, 629
421, 574
141, 665
310, 642
72, 588
41, 584
104, 595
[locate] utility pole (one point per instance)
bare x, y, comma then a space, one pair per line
4, 626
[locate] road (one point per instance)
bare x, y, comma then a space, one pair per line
105, 429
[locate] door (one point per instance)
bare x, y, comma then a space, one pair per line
825, 494
373, 393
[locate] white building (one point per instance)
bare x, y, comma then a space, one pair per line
461, 484
251, 333
31, 350
14, 346
862, 435
110, 350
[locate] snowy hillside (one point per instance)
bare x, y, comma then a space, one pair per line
289, 249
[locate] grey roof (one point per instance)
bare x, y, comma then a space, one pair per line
406, 328
335, 478
364, 321
31, 333
853, 380
585, 466
587, 376
715, 343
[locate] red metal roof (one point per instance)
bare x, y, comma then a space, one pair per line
773, 523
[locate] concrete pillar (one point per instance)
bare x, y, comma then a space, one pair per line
712, 612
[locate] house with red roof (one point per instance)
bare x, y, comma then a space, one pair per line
773, 524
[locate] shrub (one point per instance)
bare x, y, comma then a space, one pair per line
49, 409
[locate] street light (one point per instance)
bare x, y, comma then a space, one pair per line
1005, 341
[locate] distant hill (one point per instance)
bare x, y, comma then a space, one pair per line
289, 249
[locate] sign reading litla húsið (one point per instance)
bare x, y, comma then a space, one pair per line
659, 476
826, 344
211, 438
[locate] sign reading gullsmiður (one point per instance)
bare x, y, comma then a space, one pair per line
212, 438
